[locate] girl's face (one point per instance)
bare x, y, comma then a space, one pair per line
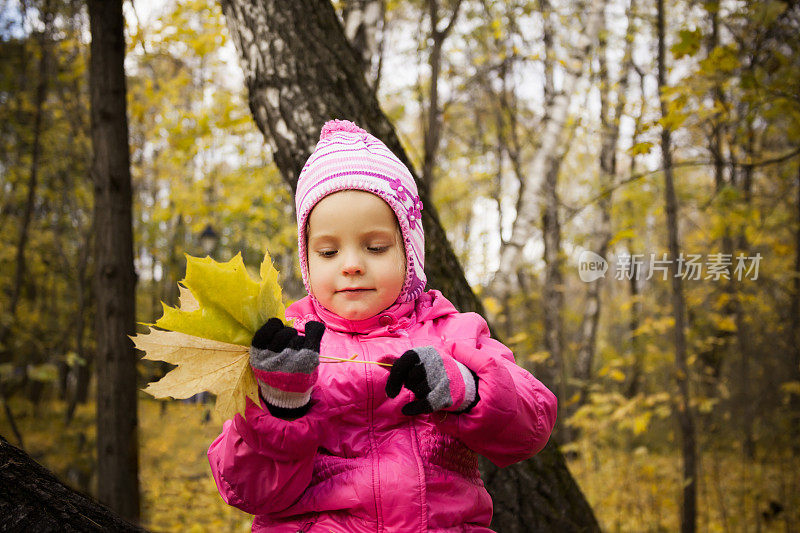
356, 258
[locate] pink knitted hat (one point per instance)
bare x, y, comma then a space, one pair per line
347, 157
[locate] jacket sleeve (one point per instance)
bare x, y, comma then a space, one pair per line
516, 413
262, 464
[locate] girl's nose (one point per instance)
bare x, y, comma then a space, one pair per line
352, 264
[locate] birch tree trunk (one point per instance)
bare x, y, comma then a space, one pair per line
542, 200
584, 360
117, 435
433, 122
683, 406
554, 130
363, 20
507, 143
635, 377
553, 290
300, 71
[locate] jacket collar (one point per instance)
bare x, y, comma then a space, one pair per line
428, 306
386, 321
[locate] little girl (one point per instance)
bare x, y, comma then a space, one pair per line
389, 441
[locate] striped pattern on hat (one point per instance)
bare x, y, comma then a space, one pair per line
346, 158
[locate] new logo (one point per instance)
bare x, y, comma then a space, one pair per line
591, 266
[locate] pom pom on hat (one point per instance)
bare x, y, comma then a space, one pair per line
349, 158
339, 125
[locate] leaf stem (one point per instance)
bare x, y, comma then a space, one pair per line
353, 360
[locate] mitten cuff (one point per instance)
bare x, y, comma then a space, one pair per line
289, 370
284, 399
470, 388
290, 382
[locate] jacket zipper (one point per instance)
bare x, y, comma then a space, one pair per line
376, 485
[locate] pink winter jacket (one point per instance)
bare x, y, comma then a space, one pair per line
354, 462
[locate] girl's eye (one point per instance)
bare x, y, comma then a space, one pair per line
326, 253
377, 249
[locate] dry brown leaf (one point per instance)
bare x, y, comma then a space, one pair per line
218, 367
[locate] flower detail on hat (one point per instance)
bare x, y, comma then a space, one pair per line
401, 191
415, 212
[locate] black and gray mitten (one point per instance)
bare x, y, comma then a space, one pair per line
438, 381
285, 364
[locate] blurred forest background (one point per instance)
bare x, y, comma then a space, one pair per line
544, 130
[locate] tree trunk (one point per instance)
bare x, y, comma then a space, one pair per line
24, 227
637, 352
683, 408
80, 374
747, 402
505, 117
553, 290
712, 359
33, 499
795, 332
295, 83
551, 157
117, 438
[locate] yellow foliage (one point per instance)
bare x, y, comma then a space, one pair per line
46, 372
640, 489
641, 422
621, 235
791, 387
492, 305
518, 338
656, 326
726, 323
178, 491
617, 375
539, 357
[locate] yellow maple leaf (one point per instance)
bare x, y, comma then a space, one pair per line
231, 305
209, 334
